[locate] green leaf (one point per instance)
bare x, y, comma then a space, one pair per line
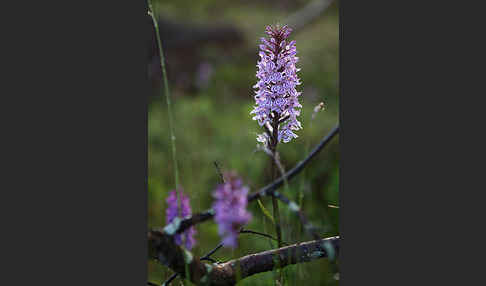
265, 211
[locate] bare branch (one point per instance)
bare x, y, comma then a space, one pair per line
293, 254
208, 255
212, 251
265, 191
163, 248
296, 170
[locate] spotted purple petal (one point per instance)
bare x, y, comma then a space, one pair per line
276, 86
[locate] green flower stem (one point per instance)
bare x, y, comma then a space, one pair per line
169, 105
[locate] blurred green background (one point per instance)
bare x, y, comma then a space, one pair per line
211, 87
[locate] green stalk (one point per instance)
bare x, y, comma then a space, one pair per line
169, 110
274, 174
169, 105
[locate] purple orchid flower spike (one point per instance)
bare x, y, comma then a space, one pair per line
172, 213
277, 103
230, 209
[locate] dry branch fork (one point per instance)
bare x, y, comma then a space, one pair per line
163, 248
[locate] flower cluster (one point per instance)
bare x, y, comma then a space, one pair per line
277, 103
230, 209
172, 213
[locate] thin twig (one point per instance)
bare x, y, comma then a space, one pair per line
262, 234
205, 257
297, 169
218, 170
265, 191
212, 251
167, 282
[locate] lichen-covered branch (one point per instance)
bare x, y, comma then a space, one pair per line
293, 254
208, 255
163, 248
